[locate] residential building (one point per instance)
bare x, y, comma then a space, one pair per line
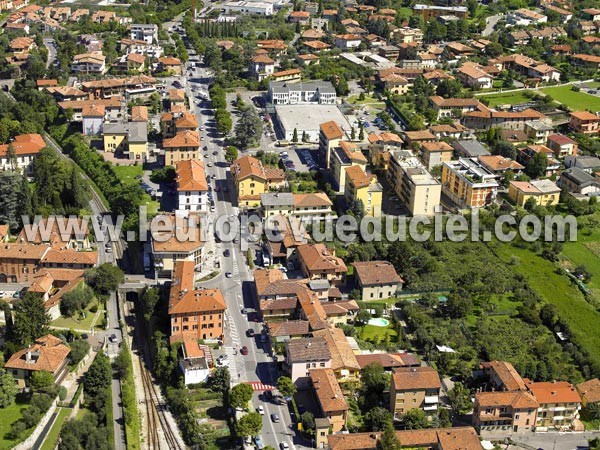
330, 134
525, 17
114, 136
131, 62
310, 206
433, 11
455, 438
302, 355
147, 32
183, 146
579, 182
92, 119
287, 75
252, 179
393, 82
170, 65
194, 314
508, 411
89, 63
485, 120
544, 192
137, 86
285, 331
584, 122
347, 41
277, 204
25, 147
468, 183
589, 164
319, 262
364, 188
301, 17
262, 66
449, 107
285, 93
192, 187
562, 145
414, 388
343, 360
524, 155
194, 362
184, 243
137, 141
499, 165
407, 35
376, 280
538, 131
19, 262
346, 154
330, 398
559, 404
590, 392
472, 74
389, 361
415, 187
436, 153
590, 61
380, 146
48, 354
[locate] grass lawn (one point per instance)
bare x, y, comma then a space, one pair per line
53, 434
582, 318
574, 100
508, 98
367, 101
376, 334
9, 415
127, 174
76, 322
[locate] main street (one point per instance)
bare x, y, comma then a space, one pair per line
258, 364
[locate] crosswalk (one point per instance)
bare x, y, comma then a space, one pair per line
258, 386
231, 348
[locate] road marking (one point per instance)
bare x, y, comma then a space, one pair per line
258, 386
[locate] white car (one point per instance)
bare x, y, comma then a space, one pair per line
210, 164
261, 410
284, 446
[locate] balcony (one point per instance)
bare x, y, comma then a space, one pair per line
430, 408
432, 399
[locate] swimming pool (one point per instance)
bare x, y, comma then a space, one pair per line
379, 322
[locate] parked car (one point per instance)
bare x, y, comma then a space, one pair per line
250, 333
259, 443
284, 446
244, 350
261, 410
227, 252
275, 417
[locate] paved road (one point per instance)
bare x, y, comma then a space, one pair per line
258, 365
51, 46
555, 441
490, 24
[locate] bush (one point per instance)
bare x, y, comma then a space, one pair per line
62, 393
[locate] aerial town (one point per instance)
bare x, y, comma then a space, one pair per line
274, 224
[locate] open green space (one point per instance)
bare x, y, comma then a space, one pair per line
128, 174
371, 101
508, 98
77, 321
583, 320
376, 334
575, 100
9, 415
54, 433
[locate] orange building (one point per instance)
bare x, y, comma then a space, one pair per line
584, 122
194, 314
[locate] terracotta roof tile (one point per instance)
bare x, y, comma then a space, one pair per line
373, 273
590, 390
191, 176
415, 378
48, 353
328, 391
342, 356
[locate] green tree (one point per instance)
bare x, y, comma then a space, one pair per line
308, 422
76, 300
378, 419
286, 386
98, 377
122, 363
104, 278
449, 88
389, 440
231, 153
249, 129
249, 425
41, 381
295, 135
30, 319
79, 348
415, 419
8, 389
459, 398
459, 304
220, 380
150, 299
505, 149
536, 166
361, 133
240, 395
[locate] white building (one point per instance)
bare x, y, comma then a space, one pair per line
319, 92
192, 187
243, 7
144, 32
89, 63
193, 362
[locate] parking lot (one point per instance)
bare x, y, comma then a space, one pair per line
299, 159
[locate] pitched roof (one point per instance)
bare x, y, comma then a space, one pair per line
93, 110
561, 139
185, 138
288, 328
554, 392
584, 115
48, 353
413, 378
328, 391
139, 114
342, 356
247, 166
24, 144
203, 300
440, 146
590, 390
388, 360
498, 162
331, 130
508, 375
263, 278
169, 61
317, 257
373, 273
23, 251
515, 399
69, 256
191, 176
309, 349
357, 176
314, 199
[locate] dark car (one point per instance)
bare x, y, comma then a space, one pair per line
226, 252
244, 350
268, 395
275, 417
250, 333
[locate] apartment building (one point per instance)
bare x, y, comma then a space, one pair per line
364, 188
499, 165
330, 398
436, 153
183, 243
192, 187
433, 11
185, 145
262, 66
147, 32
89, 63
559, 404
194, 314
512, 120
497, 411
380, 145
447, 107
320, 263
415, 187
252, 179
474, 75
502, 376
377, 280
562, 145
249, 7
414, 388
302, 355
25, 147
468, 183
285, 93
538, 131
584, 122
343, 360
330, 135
345, 155
544, 192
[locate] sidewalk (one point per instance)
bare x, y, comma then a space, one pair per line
71, 382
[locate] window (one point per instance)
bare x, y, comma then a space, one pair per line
308, 365
322, 364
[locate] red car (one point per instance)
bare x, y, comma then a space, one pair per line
244, 350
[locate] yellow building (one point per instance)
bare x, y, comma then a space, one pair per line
137, 140
544, 192
130, 139
252, 179
115, 137
347, 154
181, 147
363, 187
330, 135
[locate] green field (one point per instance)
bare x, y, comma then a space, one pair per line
581, 317
509, 98
76, 322
373, 333
52, 436
577, 101
9, 415
127, 174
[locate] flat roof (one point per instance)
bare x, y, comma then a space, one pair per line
310, 117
